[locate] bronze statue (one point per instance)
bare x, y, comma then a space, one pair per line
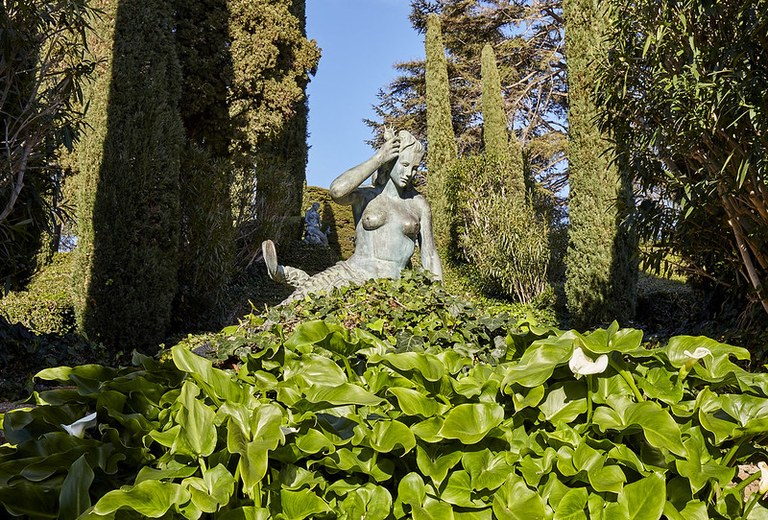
391, 218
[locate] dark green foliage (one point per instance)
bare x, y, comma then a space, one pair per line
500, 147
24, 352
503, 241
207, 240
126, 264
207, 246
272, 61
601, 260
684, 93
42, 69
441, 143
406, 402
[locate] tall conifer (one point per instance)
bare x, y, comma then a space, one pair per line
441, 147
499, 148
207, 243
600, 262
128, 217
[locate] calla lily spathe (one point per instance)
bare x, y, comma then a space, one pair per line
77, 428
581, 365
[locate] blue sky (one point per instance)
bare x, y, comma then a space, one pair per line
360, 40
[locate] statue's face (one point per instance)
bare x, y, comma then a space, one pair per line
405, 167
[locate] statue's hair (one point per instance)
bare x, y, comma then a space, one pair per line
407, 140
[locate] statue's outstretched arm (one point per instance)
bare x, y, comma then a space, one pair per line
430, 260
344, 186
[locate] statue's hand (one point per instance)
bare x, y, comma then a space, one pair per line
389, 150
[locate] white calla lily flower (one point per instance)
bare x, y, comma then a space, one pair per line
699, 353
763, 477
581, 365
77, 428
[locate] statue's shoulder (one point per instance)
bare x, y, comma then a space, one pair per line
420, 201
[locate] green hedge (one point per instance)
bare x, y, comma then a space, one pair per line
46, 306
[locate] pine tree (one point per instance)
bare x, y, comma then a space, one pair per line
600, 262
441, 151
128, 218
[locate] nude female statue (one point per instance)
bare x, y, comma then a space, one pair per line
391, 217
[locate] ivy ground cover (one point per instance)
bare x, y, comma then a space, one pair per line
406, 404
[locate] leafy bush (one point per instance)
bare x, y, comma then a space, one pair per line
502, 238
46, 306
338, 414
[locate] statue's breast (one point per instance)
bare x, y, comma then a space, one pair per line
378, 214
374, 218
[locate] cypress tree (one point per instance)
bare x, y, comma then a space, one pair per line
128, 227
601, 267
441, 151
272, 60
281, 164
207, 244
499, 148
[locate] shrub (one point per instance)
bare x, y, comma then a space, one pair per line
46, 306
331, 415
502, 238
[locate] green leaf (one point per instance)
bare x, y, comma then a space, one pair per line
368, 501
314, 442
658, 426
386, 435
301, 504
198, 432
314, 370
341, 395
486, 470
428, 365
412, 402
539, 361
644, 499
411, 489
150, 498
434, 462
218, 384
515, 501
572, 505
470, 422
74, 497
679, 344
564, 402
457, 490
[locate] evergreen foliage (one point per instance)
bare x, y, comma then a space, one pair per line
126, 264
601, 262
441, 148
207, 245
499, 146
695, 134
272, 61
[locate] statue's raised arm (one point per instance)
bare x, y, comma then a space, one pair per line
391, 217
